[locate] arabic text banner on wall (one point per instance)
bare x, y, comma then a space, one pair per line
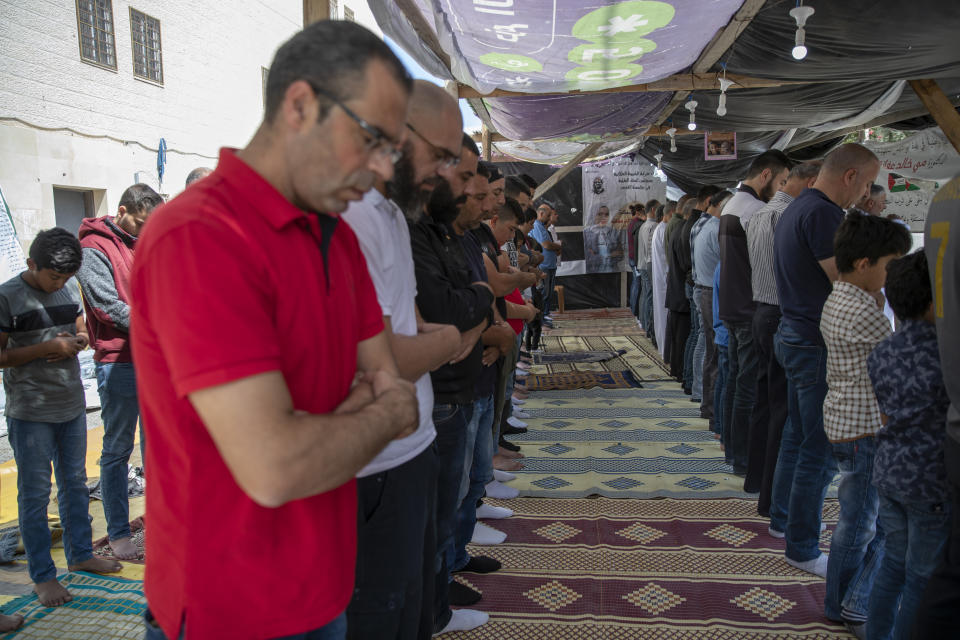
926, 154
12, 260
608, 188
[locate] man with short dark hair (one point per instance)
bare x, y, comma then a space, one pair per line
644, 268
766, 175
693, 360
104, 277
770, 411
249, 386
805, 269
551, 250
678, 304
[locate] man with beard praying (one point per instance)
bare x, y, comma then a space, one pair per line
396, 546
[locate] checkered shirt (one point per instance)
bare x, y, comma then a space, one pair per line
852, 325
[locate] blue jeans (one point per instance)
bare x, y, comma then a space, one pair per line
451, 422
35, 445
691, 344
805, 465
741, 390
856, 549
120, 410
719, 393
480, 463
548, 289
336, 629
916, 534
698, 335
646, 300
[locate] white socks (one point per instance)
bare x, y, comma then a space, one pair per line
490, 512
501, 491
464, 620
520, 413
817, 566
513, 422
518, 401
483, 534
503, 476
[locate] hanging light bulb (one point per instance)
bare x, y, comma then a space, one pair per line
659, 158
724, 85
672, 132
691, 106
800, 13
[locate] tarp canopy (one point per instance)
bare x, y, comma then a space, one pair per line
858, 51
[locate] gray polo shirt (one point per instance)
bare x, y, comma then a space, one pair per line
645, 241
41, 391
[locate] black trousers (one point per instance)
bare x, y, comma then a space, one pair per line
939, 615
396, 552
678, 329
769, 411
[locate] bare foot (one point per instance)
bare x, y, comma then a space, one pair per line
9, 623
506, 453
506, 464
97, 565
51, 593
124, 549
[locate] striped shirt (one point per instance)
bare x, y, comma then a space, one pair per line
759, 229
852, 326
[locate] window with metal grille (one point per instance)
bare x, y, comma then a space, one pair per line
95, 32
145, 42
348, 14
334, 13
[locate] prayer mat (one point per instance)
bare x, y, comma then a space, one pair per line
590, 330
102, 548
575, 356
590, 314
102, 607
653, 569
582, 380
636, 355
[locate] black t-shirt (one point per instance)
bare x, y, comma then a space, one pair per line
487, 379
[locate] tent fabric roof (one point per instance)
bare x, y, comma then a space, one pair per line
857, 50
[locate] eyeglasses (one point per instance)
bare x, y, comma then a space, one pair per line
447, 159
378, 142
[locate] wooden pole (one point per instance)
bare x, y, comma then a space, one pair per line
558, 175
315, 10
485, 139
940, 108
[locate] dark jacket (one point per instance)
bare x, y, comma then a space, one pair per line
445, 295
695, 215
104, 278
679, 262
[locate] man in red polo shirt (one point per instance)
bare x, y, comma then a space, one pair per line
266, 379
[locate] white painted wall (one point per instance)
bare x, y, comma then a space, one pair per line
105, 125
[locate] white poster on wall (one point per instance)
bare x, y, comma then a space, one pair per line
12, 260
608, 189
926, 154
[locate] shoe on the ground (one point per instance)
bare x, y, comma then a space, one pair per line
697, 400
512, 431
507, 449
480, 564
817, 566
490, 512
500, 491
483, 534
464, 620
502, 476
463, 596
520, 414
514, 422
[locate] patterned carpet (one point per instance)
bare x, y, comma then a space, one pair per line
102, 607
602, 569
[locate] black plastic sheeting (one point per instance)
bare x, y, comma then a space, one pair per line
587, 291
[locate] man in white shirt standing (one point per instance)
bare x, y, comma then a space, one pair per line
659, 272
395, 557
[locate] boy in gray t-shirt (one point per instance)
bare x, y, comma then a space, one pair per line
41, 331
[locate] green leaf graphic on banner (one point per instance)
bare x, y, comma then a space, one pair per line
623, 23
511, 62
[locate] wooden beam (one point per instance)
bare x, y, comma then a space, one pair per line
315, 10
680, 82
940, 108
715, 49
558, 175
652, 132
485, 140
424, 29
